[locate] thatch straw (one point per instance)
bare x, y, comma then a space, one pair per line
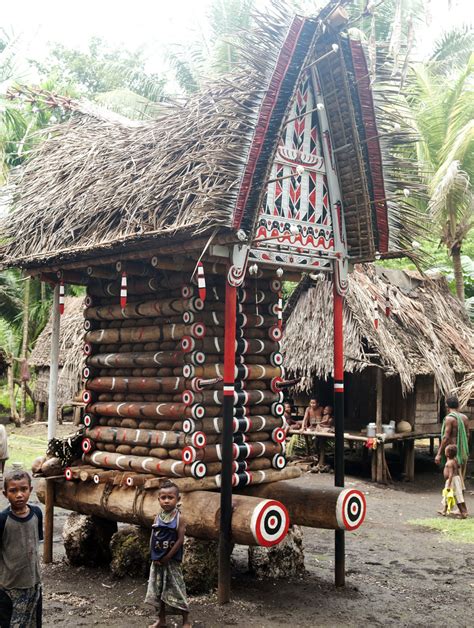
466, 390
427, 332
71, 339
97, 182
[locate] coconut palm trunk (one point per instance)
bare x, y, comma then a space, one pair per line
458, 274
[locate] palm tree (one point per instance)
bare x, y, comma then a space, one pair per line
443, 108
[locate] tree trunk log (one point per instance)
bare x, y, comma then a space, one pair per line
331, 508
250, 519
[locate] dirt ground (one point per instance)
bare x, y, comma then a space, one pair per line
397, 575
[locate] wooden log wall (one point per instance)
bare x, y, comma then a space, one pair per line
153, 376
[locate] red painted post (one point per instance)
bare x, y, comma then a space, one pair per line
225, 539
339, 546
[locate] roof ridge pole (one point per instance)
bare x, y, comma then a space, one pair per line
54, 367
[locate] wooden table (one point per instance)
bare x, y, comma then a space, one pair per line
406, 440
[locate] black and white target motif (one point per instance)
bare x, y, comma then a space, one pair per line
269, 523
68, 473
187, 397
351, 508
198, 330
188, 455
278, 462
198, 439
276, 358
87, 445
188, 344
189, 426
278, 435
275, 333
198, 470
186, 292
86, 396
89, 420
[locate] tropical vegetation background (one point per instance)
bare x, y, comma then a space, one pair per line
437, 86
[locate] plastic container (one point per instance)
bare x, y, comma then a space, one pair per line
371, 430
388, 429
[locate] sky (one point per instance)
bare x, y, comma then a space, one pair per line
151, 24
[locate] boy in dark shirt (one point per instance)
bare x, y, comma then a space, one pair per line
21, 530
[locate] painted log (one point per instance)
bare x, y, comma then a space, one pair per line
242, 397
254, 521
157, 307
209, 483
147, 409
242, 371
141, 464
215, 346
145, 334
243, 451
216, 319
137, 384
317, 507
130, 360
243, 424
149, 438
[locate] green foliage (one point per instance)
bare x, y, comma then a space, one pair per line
102, 69
452, 530
212, 52
25, 449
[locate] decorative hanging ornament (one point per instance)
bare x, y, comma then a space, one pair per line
388, 307
280, 310
376, 314
61, 297
201, 281
123, 290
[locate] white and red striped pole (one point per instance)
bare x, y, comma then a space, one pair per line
280, 310
123, 290
61, 297
201, 280
376, 313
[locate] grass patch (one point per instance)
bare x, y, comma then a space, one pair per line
458, 530
25, 449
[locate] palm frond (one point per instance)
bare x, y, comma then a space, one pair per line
453, 47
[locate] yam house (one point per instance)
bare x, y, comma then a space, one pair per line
182, 229
71, 339
408, 344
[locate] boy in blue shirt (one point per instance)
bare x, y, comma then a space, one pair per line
166, 586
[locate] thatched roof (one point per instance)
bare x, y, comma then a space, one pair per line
427, 332
71, 339
94, 184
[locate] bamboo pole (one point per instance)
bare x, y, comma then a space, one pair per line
54, 367
378, 425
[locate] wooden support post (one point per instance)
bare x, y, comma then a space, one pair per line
380, 453
225, 537
48, 522
339, 539
54, 368
409, 460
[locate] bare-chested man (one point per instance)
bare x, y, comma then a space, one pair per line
313, 415
455, 431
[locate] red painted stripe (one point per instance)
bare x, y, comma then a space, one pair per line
338, 337
229, 337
